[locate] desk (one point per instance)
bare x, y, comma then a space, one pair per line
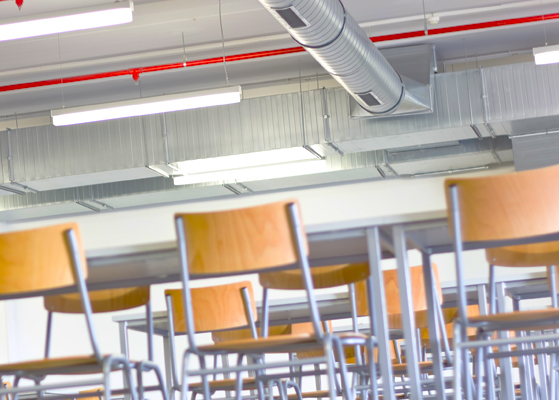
348, 241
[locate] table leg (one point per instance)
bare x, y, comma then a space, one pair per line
507, 386
168, 367
377, 309
408, 316
524, 363
434, 337
123, 335
489, 364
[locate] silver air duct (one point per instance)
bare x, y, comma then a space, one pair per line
337, 42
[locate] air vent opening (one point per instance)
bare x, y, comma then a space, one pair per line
292, 17
370, 99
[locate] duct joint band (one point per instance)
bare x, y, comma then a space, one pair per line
331, 41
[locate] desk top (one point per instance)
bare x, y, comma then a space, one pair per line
329, 244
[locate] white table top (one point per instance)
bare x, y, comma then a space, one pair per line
315, 230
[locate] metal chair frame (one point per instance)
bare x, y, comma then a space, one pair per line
108, 364
176, 385
329, 342
462, 374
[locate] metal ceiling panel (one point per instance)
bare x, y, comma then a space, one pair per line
44, 211
167, 196
467, 154
535, 151
313, 180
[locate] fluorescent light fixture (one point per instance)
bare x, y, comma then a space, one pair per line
66, 21
251, 166
146, 106
246, 160
546, 55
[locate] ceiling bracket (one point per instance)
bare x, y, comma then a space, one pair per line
231, 189
89, 206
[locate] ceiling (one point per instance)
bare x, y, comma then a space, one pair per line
156, 37
166, 31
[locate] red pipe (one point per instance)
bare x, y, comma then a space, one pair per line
19, 3
135, 72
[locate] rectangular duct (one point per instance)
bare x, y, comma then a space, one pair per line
535, 151
471, 153
497, 101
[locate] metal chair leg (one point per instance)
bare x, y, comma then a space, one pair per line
295, 386
205, 382
184, 385
372, 370
347, 390
457, 362
238, 379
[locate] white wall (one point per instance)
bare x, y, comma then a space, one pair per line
23, 321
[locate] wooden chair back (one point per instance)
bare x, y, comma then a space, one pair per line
214, 308
37, 260
449, 314
101, 300
323, 277
510, 206
392, 293
526, 255
241, 240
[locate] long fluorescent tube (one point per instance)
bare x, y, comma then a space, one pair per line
546, 55
146, 106
65, 21
256, 173
246, 160
251, 166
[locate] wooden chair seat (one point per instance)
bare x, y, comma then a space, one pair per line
225, 384
275, 344
527, 255
50, 364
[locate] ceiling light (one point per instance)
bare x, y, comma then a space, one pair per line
546, 55
66, 21
246, 160
251, 166
146, 106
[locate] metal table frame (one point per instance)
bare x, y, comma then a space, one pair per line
339, 242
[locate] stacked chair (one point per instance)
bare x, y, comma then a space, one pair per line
40, 262
110, 300
516, 211
354, 276
394, 315
221, 310
254, 240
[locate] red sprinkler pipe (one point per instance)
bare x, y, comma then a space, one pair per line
19, 3
136, 72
